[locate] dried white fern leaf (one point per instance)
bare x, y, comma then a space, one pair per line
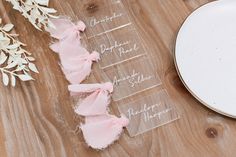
36, 11
15, 62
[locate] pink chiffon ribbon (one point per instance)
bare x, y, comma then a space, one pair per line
100, 128
101, 131
76, 61
77, 68
67, 33
96, 102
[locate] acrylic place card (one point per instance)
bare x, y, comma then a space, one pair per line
149, 112
117, 47
132, 77
105, 19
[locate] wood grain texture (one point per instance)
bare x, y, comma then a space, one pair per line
37, 120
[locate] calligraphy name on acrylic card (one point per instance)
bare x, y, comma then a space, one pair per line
117, 46
132, 77
105, 19
149, 112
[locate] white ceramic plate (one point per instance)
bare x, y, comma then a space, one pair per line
205, 55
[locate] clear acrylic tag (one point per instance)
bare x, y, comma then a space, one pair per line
105, 19
117, 47
132, 77
149, 112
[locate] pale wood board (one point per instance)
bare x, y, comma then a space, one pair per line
37, 119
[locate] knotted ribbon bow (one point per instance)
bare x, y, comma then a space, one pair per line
101, 131
77, 68
68, 35
96, 102
100, 128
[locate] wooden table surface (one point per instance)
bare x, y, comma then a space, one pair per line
37, 119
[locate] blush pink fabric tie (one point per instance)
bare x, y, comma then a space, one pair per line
101, 131
65, 28
77, 68
76, 61
67, 33
100, 128
96, 102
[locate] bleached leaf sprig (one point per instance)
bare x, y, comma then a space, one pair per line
15, 62
36, 11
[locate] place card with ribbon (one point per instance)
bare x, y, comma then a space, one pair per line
132, 77
118, 46
101, 19
149, 112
